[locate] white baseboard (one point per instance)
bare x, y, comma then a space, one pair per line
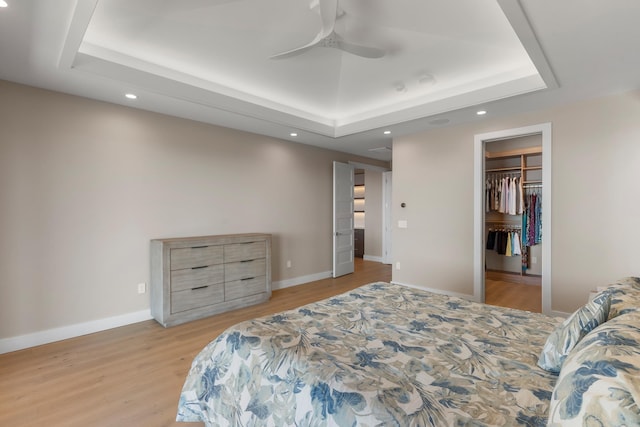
281, 284
436, 291
372, 258
20, 342
65, 332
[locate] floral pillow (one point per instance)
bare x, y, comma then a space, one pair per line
570, 332
599, 383
625, 296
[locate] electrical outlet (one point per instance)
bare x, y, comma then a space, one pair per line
142, 288
534, 260
397, 265
289, 263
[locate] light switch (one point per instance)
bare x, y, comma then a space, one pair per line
402, 223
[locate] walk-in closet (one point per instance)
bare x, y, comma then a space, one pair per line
513, 221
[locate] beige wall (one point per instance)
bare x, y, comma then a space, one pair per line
84, 186
373, 219
595, 199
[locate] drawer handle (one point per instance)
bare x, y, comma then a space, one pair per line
199, 287
246, 243
197, 268
199, 247
247, 278
247, 260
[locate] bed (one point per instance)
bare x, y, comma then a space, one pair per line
386, 354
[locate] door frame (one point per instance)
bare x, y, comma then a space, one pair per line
543, 129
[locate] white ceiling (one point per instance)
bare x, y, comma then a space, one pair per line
209, 60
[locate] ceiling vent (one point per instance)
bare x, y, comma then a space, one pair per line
439, 122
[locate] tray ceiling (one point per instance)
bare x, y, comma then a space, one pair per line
211, 60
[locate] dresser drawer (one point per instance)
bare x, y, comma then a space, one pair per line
196, 277
196, 298
244, 287
244, 251
244, 269
198, 256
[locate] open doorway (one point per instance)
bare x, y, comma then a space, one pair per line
517, 160
370, 190
372, 193
512, 223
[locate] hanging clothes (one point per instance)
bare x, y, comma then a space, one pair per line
531, 230
520, 197
501, 243
487, 199
504, 242
503, 196
517, 250
491, 240
531, 226
538, 220
512, 197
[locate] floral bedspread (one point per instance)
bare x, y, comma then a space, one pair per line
380, 355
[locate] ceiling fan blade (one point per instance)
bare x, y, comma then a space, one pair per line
328, 11
294, 52
328, 14
359, 50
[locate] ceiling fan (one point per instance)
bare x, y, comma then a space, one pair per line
327, 37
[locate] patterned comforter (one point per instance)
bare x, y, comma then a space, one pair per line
382, 354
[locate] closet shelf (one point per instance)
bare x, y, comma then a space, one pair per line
498, 221
513, 153
514, 169
532, 168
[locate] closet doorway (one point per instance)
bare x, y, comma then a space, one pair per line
512, 228
372, 234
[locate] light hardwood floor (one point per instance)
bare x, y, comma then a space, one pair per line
132, 376
514, 295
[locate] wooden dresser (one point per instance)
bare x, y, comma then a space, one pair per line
195, 277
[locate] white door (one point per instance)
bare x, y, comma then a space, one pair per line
386, 217
342, 219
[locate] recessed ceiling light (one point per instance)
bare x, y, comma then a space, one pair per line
293, 134
387, 132
481, 112
3, 3
131, 96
